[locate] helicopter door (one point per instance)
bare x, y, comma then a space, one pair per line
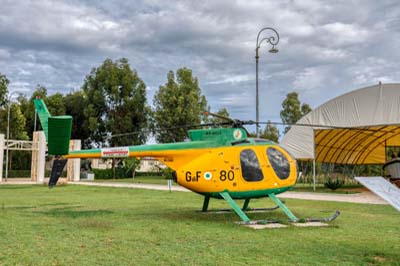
250, 165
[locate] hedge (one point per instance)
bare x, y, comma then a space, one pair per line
27, 173
108, 173
98, 173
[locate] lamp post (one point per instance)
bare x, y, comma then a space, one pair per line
8, 128
273, 40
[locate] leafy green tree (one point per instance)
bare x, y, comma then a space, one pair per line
75, 104
293, 110
55, 104
132, 164
116, 104
3, 89
178, 103
270, 132
17, 122
17, 131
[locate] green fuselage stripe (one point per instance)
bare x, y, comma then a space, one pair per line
173, 146
251, 194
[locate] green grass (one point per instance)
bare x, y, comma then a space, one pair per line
78, 225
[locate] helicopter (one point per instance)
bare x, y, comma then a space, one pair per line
221, 163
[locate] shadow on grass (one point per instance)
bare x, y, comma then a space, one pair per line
15, 187
72, 212
190, 216
25, 207
94, 223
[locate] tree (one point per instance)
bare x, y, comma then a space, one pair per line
293, 110
17, 122
178, 103
270, 132
3, 89
75, 104
132, 164
55, 104
17, 131
116, 104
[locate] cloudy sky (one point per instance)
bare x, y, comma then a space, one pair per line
326, 48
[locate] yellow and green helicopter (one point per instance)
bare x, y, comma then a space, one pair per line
222, 163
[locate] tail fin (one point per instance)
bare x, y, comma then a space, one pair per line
43, 114
56, 128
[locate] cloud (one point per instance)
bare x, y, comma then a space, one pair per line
339, 33
4, 54
232, 79
43, 25
309, 79
324, 50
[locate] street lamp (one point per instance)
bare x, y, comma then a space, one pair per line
8, 126
273, 41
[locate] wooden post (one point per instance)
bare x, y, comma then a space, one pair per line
38, 157
1, 156
35, 151
74, 165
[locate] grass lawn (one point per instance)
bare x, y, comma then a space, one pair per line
78, 225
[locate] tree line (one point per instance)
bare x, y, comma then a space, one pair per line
111, 108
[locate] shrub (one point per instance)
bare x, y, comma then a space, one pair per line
333, 184
27, 173
167, 173
108, 173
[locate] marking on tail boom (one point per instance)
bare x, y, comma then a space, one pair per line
115, 152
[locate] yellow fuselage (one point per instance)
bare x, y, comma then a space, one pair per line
211, 170
219, 169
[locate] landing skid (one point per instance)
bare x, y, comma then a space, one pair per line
251, 210
326, 219
307, 220
246, 220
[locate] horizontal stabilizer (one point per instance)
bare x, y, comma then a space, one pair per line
383, 189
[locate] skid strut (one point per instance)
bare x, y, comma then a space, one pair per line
234, 206
246, 220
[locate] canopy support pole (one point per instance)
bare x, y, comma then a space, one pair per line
313, 160
313, 174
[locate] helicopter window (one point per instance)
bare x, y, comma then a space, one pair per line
279, 163
251, 170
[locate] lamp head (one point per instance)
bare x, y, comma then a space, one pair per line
273, 50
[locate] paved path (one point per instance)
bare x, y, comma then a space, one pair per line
18, 181
365, 197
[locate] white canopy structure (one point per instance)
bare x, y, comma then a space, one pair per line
354, 128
